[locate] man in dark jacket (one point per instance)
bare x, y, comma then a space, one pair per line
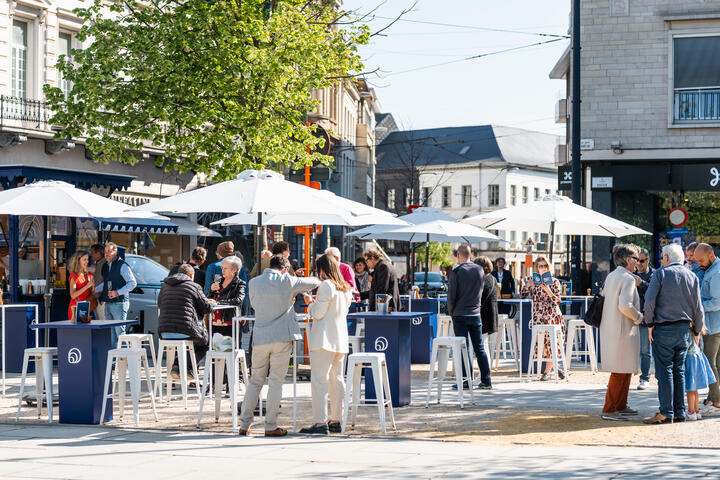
384, 279
182, 306
464, 304
644, 273
197, 258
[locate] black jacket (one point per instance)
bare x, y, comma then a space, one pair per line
642, 288
199, 276
384, 281
233, 294
508, 282
182, 305
465, 289
489, 306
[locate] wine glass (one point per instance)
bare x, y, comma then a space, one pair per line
217, 278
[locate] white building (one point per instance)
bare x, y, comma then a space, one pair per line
470, 170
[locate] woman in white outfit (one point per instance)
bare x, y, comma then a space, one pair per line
328, 345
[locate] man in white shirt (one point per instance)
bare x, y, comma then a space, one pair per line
118, 282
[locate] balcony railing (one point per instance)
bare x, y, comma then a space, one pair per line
24, 113
698, 104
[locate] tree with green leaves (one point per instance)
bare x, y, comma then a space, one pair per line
217, 85
440, 254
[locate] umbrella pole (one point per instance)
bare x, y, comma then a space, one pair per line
314, 247
258, 242
47, 296
427, 264
551, 242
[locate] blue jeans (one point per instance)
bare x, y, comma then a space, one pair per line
116, 311
645, 356
670, 344
472, 325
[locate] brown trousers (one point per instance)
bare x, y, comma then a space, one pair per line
617, 392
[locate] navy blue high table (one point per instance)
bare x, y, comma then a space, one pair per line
390, 334
423, 330
82, 358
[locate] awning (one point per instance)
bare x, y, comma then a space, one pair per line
119, 224
186, 227
12, 175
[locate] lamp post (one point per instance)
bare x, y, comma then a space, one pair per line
575, 140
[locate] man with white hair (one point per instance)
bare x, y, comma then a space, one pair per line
672, 304
345, 270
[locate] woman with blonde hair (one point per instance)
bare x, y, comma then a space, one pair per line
81, 284
328, 345
546, 309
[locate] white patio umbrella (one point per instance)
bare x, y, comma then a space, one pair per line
557, 215
61, 199
427, 225
259, 193
355, 215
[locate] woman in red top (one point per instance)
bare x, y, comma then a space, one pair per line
81, 284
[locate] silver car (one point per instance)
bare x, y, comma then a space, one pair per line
149, 275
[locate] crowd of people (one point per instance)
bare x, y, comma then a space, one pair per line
663, 315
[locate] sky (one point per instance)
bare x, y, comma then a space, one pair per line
510, 89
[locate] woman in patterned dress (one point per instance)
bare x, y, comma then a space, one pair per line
546, 309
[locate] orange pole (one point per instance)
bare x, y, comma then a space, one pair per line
307, 229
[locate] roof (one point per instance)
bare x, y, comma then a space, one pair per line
562, 66
457, 145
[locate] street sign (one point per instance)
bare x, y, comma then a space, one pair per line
565, 178
678, 217
319, 174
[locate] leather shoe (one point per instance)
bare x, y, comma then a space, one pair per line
316, 430
242, 432
278, 432
335, 427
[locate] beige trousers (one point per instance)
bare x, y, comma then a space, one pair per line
269, 361
327, 377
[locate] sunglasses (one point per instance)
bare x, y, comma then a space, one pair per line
542, 265
643, 260
635, 258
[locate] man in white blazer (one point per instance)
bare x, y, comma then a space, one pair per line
272, 295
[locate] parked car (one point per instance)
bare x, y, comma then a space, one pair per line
149, 275
437, 283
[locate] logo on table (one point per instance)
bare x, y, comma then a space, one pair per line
417, 321
715, 177
381, 344
74, 356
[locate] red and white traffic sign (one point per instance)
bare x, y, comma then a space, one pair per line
678, 216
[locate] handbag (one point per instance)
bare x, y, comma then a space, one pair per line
93, 302
593, 315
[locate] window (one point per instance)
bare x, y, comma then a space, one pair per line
19, 59
368, 186
446, 197
408, 196
64, 47
391, 199
696, 78
426, 196
466, 195
547, 191
493, 195
525, 194
513, 237
536, 193
524, 237
513, 195
146, 271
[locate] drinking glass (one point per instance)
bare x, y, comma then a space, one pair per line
217, 278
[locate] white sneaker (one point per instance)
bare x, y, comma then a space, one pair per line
698, 415
690, 416
642, 385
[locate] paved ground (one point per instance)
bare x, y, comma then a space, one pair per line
60, 452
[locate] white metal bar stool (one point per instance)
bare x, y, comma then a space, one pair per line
574, 328
376, 362
355, 343
445, 327
557, 344
234, 362
43, 358
128, 361
138, 340
170, 348
442, 347
506, 340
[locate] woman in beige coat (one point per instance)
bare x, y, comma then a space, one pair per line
328, 345
619, 336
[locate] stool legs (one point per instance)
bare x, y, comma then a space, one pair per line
388, 396
469, 370
378, 380
26, 359
121, 369
149, 384
431, 373
219, 369
47, 365
108, 374
458, 358
182, 361
590, 342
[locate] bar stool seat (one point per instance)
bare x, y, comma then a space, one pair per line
170, 348
442, 347
138, 340
574, 328
234, 363
43, 358
557, 344
376, 362
131, 361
